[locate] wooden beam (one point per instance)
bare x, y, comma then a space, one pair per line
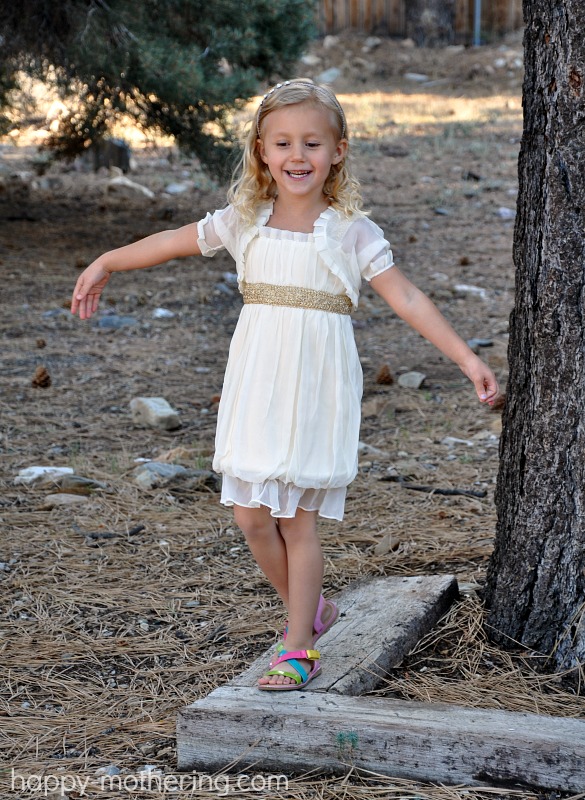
380, 622
240, 727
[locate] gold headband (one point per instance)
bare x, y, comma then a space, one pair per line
288, 83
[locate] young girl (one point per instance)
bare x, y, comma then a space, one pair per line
288, 421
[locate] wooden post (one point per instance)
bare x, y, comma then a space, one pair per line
241, 727
326, 728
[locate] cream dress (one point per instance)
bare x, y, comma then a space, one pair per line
289, 415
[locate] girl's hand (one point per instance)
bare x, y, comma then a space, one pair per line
484, 380
88, 290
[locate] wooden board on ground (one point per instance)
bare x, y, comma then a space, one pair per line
328, 728
301, 731
380, 622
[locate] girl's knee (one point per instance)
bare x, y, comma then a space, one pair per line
254, 522
302, 525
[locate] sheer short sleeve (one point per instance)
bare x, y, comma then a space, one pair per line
372, 249
218, 231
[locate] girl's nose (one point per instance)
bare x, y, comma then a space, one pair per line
297, 153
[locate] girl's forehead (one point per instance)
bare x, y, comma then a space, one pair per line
301, 115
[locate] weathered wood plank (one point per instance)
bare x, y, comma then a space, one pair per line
301, 731
379, 623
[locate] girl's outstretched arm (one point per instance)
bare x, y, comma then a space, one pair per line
148, 252
415, 308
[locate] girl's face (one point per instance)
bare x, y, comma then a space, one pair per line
299, 144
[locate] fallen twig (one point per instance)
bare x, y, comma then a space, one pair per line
404, 482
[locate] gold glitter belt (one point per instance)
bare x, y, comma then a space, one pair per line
296, 297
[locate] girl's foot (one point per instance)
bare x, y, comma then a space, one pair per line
326, 616
291, 670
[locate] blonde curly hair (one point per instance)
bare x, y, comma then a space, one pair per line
254, 185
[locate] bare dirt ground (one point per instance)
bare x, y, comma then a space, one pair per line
105, 637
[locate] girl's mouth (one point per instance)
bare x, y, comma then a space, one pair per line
298, 174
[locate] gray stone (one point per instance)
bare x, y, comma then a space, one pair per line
163, 313
154, 412
411, 380
126, 187
62, 499
39, 476
475, 344
329, 75
156, 473
114, 322
177, 188
416, 77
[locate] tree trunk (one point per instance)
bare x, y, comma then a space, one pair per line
536, 578
430, 23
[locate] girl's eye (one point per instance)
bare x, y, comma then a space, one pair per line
313, 144
281, 144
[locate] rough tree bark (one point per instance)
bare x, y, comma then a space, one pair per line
535, 589
430, 23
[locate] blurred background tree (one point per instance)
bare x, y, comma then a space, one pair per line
177, 66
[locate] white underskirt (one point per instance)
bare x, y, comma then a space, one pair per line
283, 499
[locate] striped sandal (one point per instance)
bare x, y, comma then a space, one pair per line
300, 676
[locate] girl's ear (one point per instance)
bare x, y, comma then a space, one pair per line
340, 151
260, 150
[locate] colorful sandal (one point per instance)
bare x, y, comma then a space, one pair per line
319, 627
300, 677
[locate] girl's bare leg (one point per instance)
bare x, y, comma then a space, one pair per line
267, 545
305, 578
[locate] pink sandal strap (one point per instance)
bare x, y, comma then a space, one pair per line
287, 655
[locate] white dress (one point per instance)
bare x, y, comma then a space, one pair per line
289, 415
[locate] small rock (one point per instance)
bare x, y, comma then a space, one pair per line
162, 313
76, 484
475, 344
114, 322
154, 412
408, 44
329, 75
127, 187
223, 288
453, 441
330, 41
310, 60
155, 474
370, 450
416, 77
411, 380
37, 476
443, 212
465, 288
41, 378
371, 43
506, 213
61, 499
41, 343
177, 188
111, 769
